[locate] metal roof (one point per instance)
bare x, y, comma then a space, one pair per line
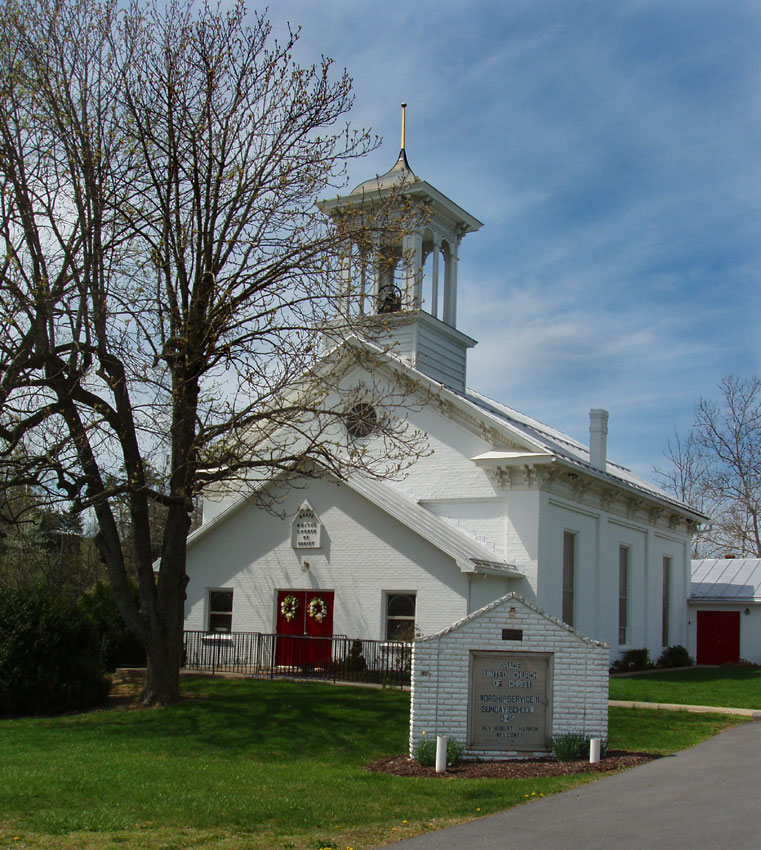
520, 428
565, 448
726, 579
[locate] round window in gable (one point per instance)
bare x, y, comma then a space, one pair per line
361, 420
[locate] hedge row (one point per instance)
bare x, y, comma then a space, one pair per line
53, 653
49, 654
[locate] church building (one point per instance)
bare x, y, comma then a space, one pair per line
499, 502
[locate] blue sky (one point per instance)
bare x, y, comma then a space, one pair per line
613, 152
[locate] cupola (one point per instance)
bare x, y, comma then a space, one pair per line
403, 280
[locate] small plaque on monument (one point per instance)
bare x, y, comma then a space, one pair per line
509, 701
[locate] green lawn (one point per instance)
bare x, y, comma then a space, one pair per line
731, 687
253, 764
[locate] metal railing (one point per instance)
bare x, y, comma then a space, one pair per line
336, 659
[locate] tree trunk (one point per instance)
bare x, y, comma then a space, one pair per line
162, 681
164, 645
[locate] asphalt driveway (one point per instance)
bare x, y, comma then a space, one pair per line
706, 797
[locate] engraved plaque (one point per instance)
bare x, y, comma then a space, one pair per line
306, 530
509, 702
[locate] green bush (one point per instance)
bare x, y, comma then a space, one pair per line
425, 751
117, 645
573, 746
632, 661
49, 655
355, 661
674, 656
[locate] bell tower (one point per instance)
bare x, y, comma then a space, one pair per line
403, 279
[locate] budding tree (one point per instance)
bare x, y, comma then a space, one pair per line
717, 469
166, 274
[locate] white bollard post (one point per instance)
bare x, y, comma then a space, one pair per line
594, 750
441, 754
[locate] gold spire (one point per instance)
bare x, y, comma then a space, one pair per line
404, 112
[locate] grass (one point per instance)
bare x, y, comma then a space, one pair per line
257, 765
730, 687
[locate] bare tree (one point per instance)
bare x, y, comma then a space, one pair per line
167, 281
717, 469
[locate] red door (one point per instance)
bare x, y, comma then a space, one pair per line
718, 637
303, 618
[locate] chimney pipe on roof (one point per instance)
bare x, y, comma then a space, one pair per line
598, 438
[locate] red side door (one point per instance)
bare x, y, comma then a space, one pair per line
718, 637
292, 649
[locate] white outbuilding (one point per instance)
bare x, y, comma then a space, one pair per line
724, 611
501, 503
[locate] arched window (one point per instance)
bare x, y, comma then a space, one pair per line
400, 616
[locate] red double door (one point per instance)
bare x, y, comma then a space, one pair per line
718, 637
303, 638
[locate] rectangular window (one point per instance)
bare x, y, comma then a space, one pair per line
623, 592
221, 611
400, 616
569, 569
666, 599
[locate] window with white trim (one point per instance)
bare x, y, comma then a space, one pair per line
221, 611
400, 616
623, 593
569, 570
666, 600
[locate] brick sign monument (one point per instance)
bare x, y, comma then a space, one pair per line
507, 678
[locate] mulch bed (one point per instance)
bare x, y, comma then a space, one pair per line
514, 769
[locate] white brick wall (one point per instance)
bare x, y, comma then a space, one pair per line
365, 554
441, 673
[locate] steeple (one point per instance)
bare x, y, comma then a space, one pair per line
410, 276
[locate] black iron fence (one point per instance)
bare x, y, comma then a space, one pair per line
336, 658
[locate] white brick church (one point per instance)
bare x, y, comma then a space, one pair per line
500, 503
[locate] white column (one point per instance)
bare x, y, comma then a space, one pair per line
344, 274
412, 261
374, 275
417, 268
450, 288
362, 282
434, 309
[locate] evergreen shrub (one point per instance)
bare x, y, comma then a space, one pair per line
674, 656
355, 660
118, 646
49, 654
632, 661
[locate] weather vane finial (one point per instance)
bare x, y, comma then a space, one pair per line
404, 112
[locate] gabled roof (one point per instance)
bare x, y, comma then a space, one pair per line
726, 580
536, 444
542, 442
469, 555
